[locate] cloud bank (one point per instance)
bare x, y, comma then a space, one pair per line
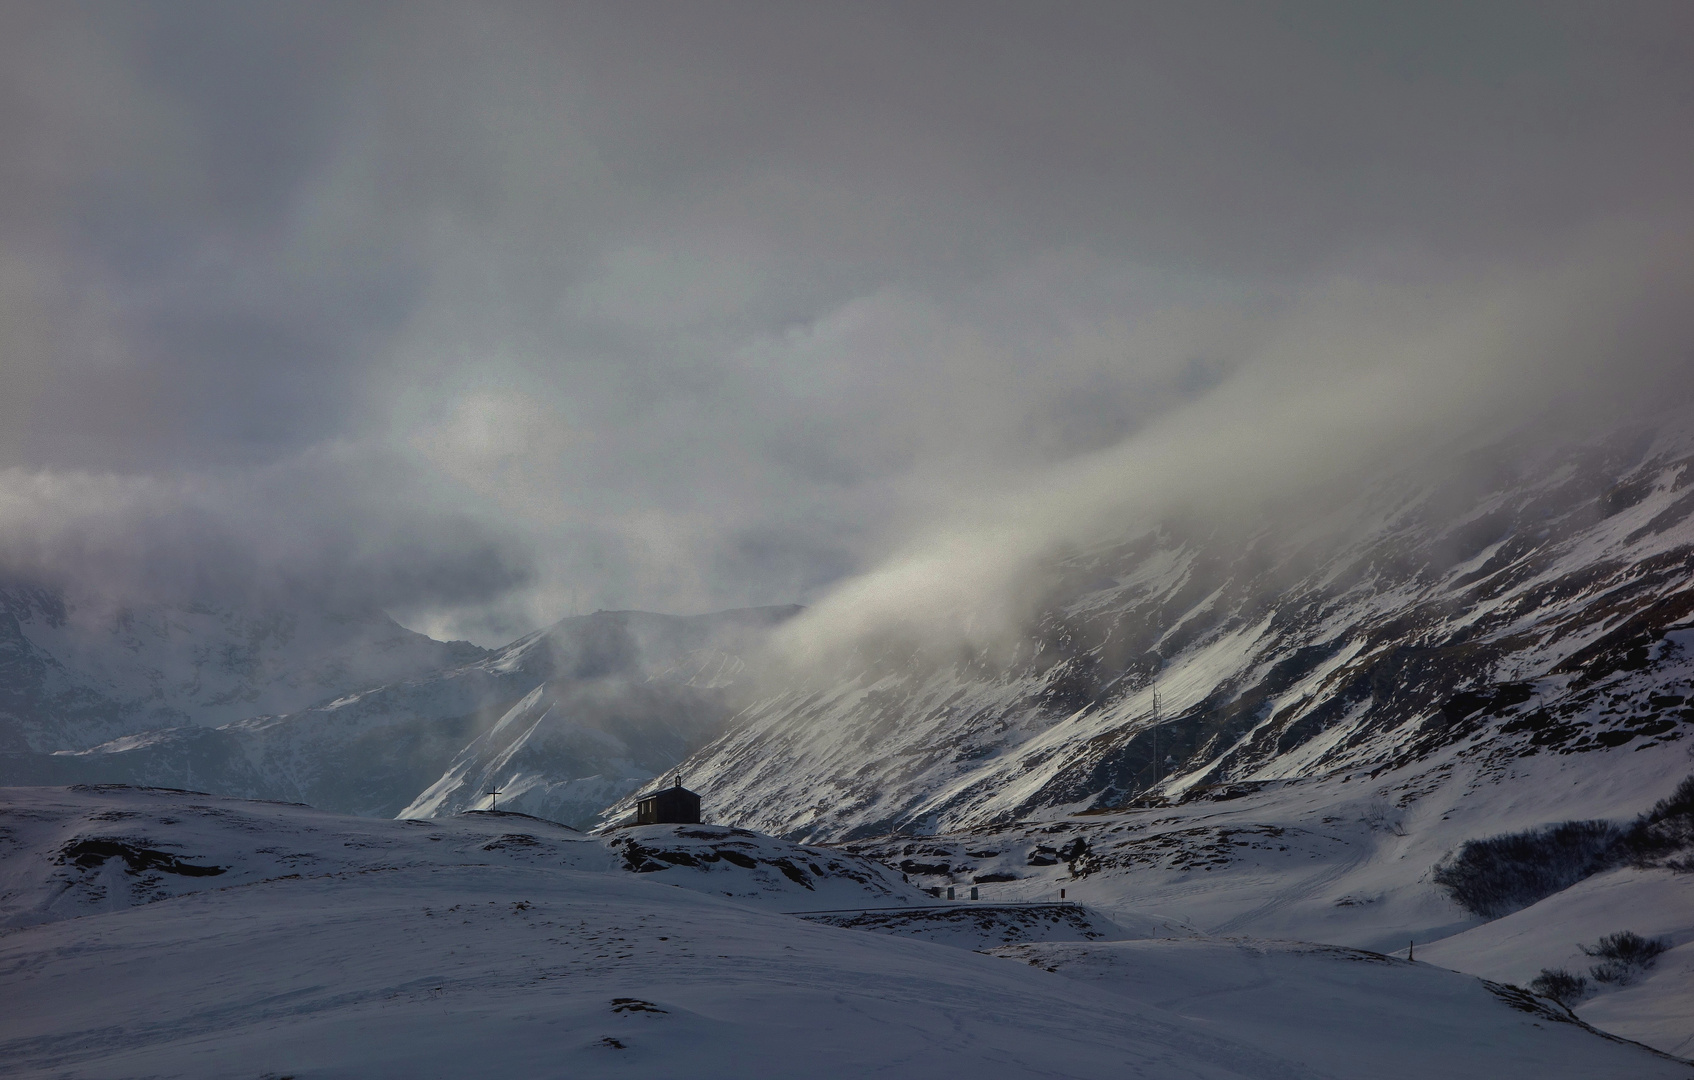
1354, 385
489, 314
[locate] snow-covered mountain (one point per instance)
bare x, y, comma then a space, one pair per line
78, 671
629, 694
569, 749
1542, 607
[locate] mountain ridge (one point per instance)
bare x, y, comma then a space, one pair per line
78, 670
375, 750
1550, 614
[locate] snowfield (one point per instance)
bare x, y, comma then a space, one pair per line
1350, 861
1331, 1011
161, 933
1657, 1007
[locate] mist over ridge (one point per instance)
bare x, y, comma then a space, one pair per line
1357, 385
481, 318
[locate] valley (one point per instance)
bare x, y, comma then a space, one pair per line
1338, 712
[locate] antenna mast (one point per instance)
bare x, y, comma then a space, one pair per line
1158, 722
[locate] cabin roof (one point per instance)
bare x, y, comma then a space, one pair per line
676, 791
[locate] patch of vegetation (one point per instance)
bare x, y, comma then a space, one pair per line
1665, 831
1561, 986
1623, 956
1498, 875
1502, 874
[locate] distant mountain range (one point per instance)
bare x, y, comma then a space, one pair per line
1540, 607
392, 717
78, 671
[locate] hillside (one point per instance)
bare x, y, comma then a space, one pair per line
166, 934
1542, 609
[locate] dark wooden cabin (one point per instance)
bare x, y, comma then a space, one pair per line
667, 805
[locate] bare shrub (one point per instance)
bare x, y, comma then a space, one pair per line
1498, 875
1623, 956
1502, 874
1656, 837
1560, 985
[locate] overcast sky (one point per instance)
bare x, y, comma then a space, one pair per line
484, 313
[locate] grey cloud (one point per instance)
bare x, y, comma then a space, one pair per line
684, 306
1356, 387
237, 535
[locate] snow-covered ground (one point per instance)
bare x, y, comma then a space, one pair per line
155, 933
1347, 860
1378, 1017
1350, 860
1656, 1008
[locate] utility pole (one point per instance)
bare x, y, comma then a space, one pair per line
494, 803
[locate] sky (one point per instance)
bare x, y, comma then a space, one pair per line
490, 314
